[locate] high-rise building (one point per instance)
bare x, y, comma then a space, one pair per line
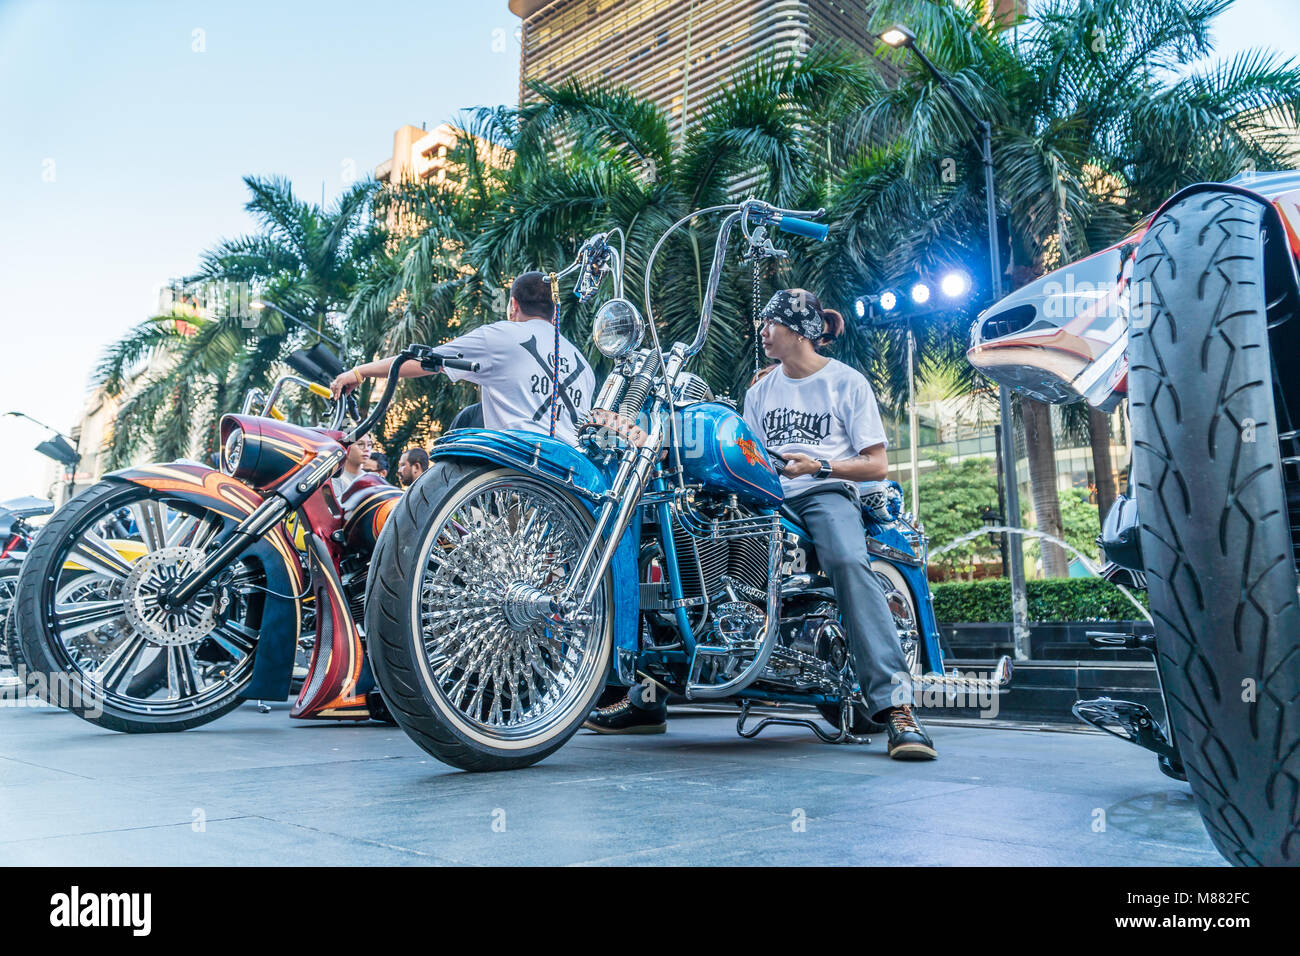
675, 52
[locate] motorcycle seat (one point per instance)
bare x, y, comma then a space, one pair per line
28, 507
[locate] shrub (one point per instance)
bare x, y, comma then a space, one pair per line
1053, 600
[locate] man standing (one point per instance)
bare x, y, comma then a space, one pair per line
413, 463
516, 366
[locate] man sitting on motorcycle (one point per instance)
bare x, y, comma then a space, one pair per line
820, 416
516, 368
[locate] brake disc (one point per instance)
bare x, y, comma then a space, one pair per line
151, 575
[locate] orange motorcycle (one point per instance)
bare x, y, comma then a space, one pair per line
166, 595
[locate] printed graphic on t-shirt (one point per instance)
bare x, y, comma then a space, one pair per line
540, 382
788, 426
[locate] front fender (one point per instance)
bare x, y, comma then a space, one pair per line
281, 619
560, 464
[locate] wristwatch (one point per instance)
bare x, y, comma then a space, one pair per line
825, 470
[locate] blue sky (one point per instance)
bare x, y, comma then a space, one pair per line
125, 134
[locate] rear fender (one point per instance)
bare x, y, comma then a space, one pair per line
560, 464
281, 618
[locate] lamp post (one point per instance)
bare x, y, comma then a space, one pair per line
897, 36
57, 448
259, 304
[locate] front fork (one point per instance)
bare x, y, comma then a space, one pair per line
277, 506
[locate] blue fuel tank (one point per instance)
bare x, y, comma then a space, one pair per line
721, 452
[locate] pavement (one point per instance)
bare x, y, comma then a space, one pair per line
261, 789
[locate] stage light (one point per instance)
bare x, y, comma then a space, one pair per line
860, 307
955, 284
920, 293
888, 301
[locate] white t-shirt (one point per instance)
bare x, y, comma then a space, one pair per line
343, 481
515, 373
830, 414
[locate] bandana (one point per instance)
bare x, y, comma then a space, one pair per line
796, 312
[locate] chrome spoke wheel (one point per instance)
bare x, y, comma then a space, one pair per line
107, 623
502, 665
901, 606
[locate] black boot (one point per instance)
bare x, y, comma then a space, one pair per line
625, 718
907, 739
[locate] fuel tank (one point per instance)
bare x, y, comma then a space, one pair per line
721, 452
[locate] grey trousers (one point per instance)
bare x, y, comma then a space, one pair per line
834, 520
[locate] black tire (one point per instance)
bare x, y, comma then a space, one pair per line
1214, 527
889, 579
861, 725
392, 641
47, 663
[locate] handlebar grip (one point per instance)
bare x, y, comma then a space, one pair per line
320, 390
460, 364
802, 227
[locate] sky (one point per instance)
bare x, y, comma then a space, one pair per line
126, 126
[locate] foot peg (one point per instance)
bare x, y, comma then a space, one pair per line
843, 737
1000, 678
1135, 724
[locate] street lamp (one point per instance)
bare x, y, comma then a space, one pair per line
259, 304
58, 449
900, 36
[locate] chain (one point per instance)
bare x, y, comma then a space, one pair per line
758, 352
555, 358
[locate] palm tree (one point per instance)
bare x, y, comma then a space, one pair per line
305, 259
1093, 127
584, 158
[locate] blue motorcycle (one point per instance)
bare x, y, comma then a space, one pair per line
521, 574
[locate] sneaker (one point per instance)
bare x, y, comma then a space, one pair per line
623, 718
907, 741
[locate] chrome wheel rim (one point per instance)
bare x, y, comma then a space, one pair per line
498, 677
900, 606
105, 626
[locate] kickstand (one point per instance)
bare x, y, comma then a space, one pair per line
843, 737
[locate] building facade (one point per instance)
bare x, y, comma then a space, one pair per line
674, 52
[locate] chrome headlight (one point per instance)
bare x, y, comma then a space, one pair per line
618, 328
232, 450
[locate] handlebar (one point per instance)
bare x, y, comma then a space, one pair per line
802, 227
749, 212
456, 363
429, 360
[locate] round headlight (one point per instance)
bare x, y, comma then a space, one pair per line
618, 328
232, 451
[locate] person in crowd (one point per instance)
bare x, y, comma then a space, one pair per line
353, 466
820, 417
377, 464
413, 463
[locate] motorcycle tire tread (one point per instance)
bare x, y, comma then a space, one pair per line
13, 651
13, 648
1224, 602
31, 630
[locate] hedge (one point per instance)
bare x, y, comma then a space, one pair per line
1055, 599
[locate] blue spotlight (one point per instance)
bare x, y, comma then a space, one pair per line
920, 293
